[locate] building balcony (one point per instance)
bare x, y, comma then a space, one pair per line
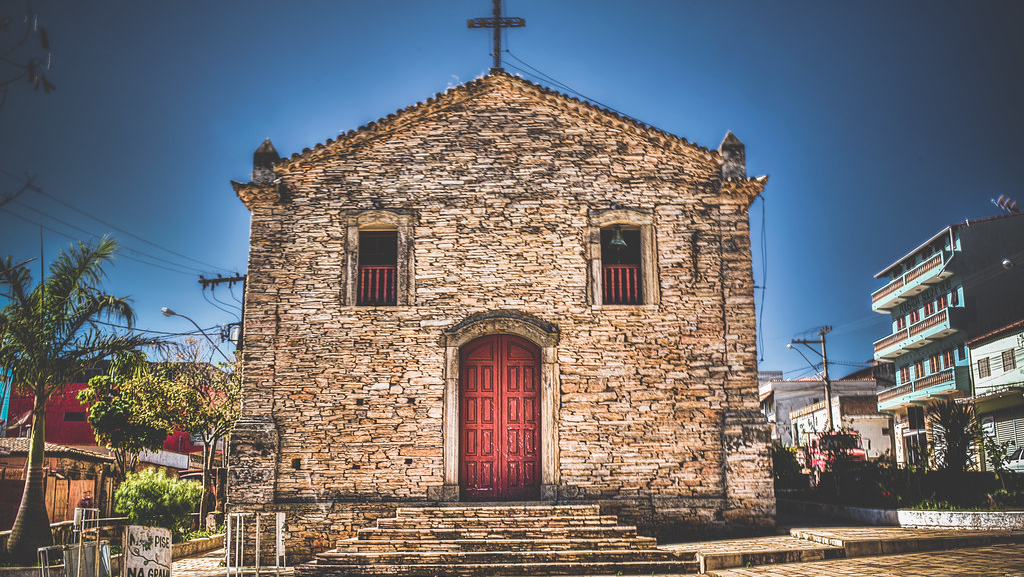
911, 283
940, 385
938, 326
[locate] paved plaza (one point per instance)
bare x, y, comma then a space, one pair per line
810, 552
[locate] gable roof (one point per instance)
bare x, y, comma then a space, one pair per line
745, 188
470, 90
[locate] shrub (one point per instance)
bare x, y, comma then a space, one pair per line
786, 467
154, 499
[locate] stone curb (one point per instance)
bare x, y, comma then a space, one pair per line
921, 519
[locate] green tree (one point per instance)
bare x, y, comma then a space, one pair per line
49, 334
128, 410
210, 401
152, 498
955, 432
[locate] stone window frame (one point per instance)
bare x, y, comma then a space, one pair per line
371, 220
542, 334
644, 220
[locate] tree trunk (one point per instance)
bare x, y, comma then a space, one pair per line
32, 525
206, 481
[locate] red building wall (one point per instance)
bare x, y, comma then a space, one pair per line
66, 422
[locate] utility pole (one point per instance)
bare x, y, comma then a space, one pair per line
824, 359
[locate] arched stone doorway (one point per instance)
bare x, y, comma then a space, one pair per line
542, 336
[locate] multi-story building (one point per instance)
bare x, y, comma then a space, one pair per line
959, 284
997, 366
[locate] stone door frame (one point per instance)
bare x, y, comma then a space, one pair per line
539, 332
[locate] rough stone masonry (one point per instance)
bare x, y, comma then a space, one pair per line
499, 193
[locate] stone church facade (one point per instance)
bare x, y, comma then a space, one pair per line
501, 294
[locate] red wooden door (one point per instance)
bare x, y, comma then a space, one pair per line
499, 419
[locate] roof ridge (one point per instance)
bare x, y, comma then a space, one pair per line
467, 90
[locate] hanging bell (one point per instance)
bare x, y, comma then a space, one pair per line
617, 240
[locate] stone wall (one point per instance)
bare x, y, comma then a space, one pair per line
503, 185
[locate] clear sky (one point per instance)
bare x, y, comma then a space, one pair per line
879, 122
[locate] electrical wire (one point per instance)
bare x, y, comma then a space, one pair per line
213, 295
563, 86
105, 223
69, 237
94, 235
215, 305
190, 333
135, 236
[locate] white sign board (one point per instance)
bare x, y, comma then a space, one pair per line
147, 552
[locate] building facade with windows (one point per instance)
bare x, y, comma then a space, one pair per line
780, 398
959, 284
997, 367
501, 294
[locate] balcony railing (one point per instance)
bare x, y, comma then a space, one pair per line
920, 327
910, 283
621, 284
938, 378
939, 325
377, 285
897, 337
895, 392
956, 376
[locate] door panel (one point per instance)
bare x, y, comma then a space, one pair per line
499, 422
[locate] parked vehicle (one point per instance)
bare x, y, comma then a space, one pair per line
1015, 462
816, 456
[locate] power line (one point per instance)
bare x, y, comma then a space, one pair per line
69, 237
30, 186
84, 231
563, 86
135, 236
190, 333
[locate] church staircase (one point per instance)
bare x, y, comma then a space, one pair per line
498, 540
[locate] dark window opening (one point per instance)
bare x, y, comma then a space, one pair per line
621, 277
378, 267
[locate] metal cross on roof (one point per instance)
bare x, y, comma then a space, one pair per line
497, 22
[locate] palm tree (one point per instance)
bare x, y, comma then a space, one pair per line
956, 432
49, 334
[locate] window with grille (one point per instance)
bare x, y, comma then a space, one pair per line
1009, 362
984, 369
934, 363
941, 302
929, 308
915, 315
918, 369
621, 274
378, 267
904, 375
901, 323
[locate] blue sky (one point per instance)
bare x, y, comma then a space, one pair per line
879, 123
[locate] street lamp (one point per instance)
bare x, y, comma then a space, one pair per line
169, 313
824, 358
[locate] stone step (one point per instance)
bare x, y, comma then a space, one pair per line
514, 569
490, 511
610, 532
496, 522
491, 557
384, 546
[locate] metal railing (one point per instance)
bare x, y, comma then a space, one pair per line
621, 284
377, 285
